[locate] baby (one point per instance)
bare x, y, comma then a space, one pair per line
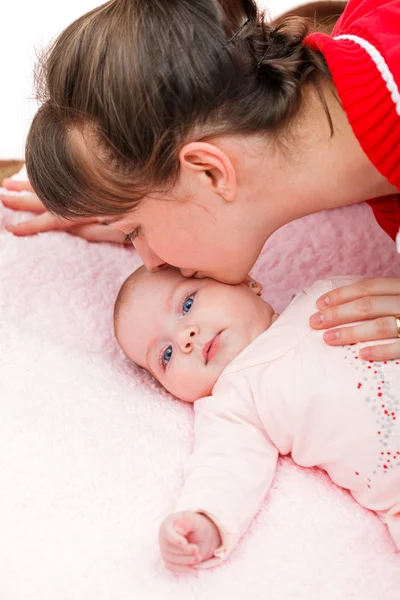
262, 385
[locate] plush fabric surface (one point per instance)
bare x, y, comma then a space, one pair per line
92, 451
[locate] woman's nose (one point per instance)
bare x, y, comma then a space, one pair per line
187, 272
186, 338
152, 262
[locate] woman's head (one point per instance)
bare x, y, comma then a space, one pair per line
135, 92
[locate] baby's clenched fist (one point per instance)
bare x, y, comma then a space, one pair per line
187, 539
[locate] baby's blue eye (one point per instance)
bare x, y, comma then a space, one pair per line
167, 354
187, 305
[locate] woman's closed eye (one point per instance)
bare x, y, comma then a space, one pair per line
132, 235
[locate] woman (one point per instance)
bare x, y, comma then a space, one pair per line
236, 124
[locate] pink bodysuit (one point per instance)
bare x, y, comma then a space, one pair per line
291, 393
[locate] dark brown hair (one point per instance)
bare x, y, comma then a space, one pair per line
323, 14
127, 84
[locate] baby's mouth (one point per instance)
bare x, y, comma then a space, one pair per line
211, 348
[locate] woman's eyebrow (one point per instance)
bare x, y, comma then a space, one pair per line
108, 221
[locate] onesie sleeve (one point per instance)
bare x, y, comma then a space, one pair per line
231, 468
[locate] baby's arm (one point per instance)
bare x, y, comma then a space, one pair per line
227, 478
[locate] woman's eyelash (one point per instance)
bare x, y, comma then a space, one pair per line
131, 236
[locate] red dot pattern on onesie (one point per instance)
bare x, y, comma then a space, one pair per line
375, 386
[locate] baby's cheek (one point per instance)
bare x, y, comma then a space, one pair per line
193, 384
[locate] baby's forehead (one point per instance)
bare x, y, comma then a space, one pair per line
154, 287
165, 277
147, 310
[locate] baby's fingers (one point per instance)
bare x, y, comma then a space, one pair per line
169, 535
185, 525
181, 559
188, 549
178, 568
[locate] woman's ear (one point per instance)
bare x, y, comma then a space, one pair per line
212, 166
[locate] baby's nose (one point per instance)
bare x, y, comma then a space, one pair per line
186, 338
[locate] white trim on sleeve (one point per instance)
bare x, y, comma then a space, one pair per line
381, 65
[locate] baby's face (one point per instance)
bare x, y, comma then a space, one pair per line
186, 331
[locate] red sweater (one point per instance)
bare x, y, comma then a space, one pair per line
363, 56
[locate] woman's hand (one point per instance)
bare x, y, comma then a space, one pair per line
88, 229
187, 539
376, 302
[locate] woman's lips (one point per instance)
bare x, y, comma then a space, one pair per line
211, 348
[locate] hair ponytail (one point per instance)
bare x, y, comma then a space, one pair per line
138, 78
281, 62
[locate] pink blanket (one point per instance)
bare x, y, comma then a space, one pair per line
91, 450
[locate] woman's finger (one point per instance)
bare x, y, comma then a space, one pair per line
98, 233
25, 202
86, 229
17, 185
368, 307
379, 329
382, 352
40, 224
377, 286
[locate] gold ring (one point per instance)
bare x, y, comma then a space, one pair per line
397, 318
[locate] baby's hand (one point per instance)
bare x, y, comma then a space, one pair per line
187, 539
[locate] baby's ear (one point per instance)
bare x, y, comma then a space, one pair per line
253, 285
256, 287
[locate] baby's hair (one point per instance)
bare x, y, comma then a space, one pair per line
128, 84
